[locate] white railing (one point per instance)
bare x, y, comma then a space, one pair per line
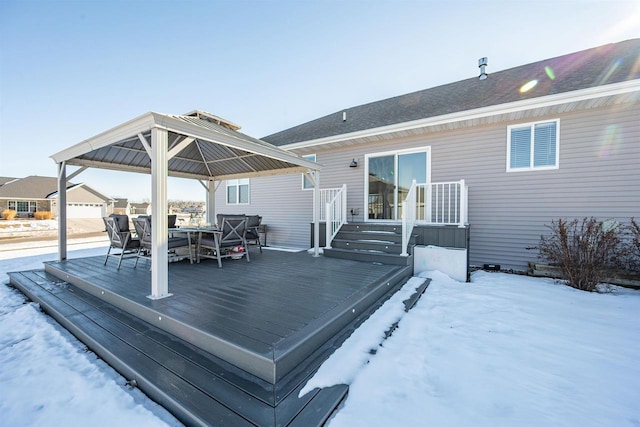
326, 195
335, 213
409, 211
443, 203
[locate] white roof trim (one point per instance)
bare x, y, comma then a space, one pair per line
128, 129
539, 102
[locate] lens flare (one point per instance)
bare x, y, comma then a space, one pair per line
611, 140
528, 86
550, 72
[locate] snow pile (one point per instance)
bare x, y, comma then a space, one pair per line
503, 350
12, 228
47, 377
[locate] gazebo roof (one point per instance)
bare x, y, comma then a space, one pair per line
200, 146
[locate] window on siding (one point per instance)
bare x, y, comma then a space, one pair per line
23, 206
238, 191
306, 183
532, 146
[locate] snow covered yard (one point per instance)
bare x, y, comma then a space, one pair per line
504, 350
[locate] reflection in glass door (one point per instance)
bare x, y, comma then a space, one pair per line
411, 166
389, 180
381, 187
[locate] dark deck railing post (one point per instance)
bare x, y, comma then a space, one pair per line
62, 211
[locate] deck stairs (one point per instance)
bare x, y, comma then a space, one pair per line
380, 243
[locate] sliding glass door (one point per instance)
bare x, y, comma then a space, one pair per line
389, 178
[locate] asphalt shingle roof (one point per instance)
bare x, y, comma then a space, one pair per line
612, 63
31, 187
5, 179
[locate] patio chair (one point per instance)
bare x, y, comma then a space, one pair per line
230, 235
252, 235
120, 238
142, 225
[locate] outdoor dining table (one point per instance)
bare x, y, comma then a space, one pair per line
194, 235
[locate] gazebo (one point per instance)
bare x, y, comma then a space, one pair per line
196, 145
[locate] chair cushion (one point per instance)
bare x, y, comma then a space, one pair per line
176, 242
133, 244
253, 220
122, 220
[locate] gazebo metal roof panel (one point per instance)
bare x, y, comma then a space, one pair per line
214, 150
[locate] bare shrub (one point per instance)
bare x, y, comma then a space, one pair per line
582, 249
631, 246
9, 214
42, 215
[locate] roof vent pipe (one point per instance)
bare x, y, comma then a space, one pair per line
483, 62
344, 116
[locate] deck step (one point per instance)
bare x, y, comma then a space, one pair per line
369, 256
377, 243
367, 245
187, 381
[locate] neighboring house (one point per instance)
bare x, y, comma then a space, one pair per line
552, 139
39, 193
121, 207
140, 208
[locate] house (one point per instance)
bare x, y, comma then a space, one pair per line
121, 207
552, 139
499, 155
40, 193
143, 208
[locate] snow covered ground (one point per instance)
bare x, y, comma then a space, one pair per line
504, 350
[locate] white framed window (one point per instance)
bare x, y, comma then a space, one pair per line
238, 191
533, 146
306, 183
23, 206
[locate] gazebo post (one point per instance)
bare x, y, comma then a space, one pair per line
159, 223
211, 202
62, 211
316, 213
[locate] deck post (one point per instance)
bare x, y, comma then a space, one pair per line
159, 220
316, 213
62, 211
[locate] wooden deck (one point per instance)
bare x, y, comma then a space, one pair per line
266, 325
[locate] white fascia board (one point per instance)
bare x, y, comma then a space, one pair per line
528, 104
189, 129
128, 129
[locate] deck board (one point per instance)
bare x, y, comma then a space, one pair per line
272, 301
247, 335
256, 305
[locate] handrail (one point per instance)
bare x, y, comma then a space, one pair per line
335, 214
409, 210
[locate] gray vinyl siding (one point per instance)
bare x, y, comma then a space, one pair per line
508, 211
285, 208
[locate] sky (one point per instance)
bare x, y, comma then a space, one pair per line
503, 350
72, 69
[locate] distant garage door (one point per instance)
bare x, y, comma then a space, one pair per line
85, 210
